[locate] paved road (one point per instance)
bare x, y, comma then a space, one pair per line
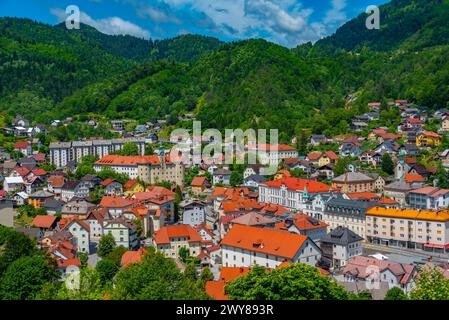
405, 255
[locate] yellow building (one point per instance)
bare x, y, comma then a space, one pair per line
420, 229
428, 139
132, 187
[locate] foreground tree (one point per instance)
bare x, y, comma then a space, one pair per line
395, 294
106, 270
430, 285
155, 278
387, 164
293, 282
106, 245
25, 278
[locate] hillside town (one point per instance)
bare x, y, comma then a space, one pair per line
376, 197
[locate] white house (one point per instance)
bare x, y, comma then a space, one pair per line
13, 183
245, 246
81, 234
193, 212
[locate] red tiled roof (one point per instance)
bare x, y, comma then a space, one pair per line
130, 184
21, 144
387, 201
132, 257
414, 177
22, 171
299, 184
43, 221
164, 234
116, 202
56, 181
110, 160
216, 290
62, 264
363, 195
269, 241
107, 182
198, 181
39, 172
40, 157
431, 134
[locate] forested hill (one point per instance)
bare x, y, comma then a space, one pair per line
404, 24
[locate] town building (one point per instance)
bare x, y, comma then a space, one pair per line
290, 192
62, 153
353, 182
193, 212
170, 239
149, 169
340, 245
123, 230
428, 198
347, 213
408, 228
245, 246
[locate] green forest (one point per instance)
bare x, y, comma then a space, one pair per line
48, 72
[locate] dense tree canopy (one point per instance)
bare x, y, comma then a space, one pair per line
293, 282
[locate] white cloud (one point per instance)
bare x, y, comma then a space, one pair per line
158, 15
110, 25
336, 15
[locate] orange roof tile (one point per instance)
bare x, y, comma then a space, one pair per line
43, 221
56, 181
164, 234
299, 184
269, 241
107, 182
363, 195
132, 257
198, 181
116, 202
387, 201
216, 290
414, 177
442, 215
115, 160
130, 184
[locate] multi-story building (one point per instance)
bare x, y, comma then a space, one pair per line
408, 228
81, 234
428, 198
290, 192
170, 239
245, 246
62, 153
347, 213
149, 169
193, 212
353, 182
340, 245
272, 154
123, 231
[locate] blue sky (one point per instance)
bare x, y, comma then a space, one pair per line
287, 22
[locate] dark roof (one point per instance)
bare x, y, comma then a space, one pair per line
349, 207
70, 185
53, 204
256, 177
341, 236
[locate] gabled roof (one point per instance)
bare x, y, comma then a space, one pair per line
341, 236
116, 202
165, 234
108, 181
352, 177
44, 221
269, 241
21, 144
130, 184
299, 184
252, 219
56, 181
198, 181
132, 257
76, 220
